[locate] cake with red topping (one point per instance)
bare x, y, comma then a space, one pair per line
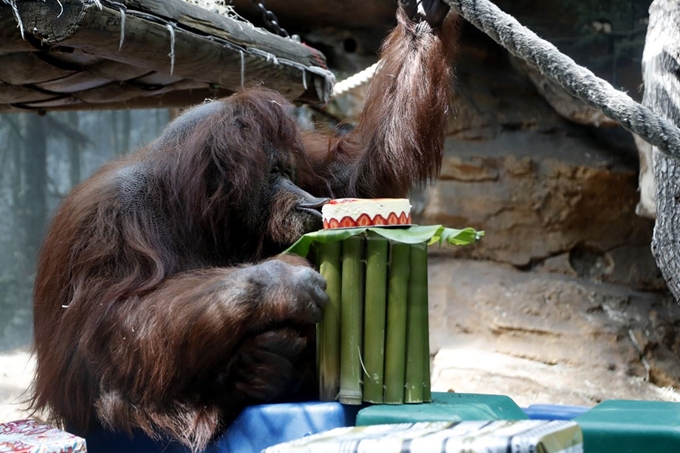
356, 212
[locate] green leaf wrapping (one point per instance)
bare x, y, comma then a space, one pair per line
433, 234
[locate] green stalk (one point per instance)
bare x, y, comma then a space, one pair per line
374, 317
351, 321
417, 327
395, 343
328, 330
427, 383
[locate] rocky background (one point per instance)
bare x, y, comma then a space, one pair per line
562, 301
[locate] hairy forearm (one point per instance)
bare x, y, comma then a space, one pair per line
208, 311
154, 337
400, 137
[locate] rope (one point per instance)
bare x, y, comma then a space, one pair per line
577, 80
354, 81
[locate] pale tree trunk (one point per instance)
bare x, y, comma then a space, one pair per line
115, 139
121, 123
35, 184
74, 151
29, 190
15, 144
126, 129
661, 73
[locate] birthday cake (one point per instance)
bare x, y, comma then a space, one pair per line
355, 212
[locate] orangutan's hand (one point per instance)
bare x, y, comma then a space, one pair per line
432, 11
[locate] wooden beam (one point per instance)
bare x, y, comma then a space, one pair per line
177, 98
10, 36
10, 94
196, 57
72, 83
212, 24
21, 68
125, 91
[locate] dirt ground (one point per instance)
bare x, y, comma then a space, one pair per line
549, 338
467, 369
16, 370
471, 369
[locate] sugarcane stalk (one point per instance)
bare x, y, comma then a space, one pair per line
427, 376
375, 312
328, 330
395, 337
351, 321
417, 327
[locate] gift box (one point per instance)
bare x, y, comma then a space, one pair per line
525, 436
29, 436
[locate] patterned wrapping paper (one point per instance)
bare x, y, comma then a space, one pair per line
525, 436
29, 436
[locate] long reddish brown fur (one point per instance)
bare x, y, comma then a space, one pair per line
137, 323
400, 137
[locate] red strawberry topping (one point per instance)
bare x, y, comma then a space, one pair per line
379, 220
364, 220
347, 222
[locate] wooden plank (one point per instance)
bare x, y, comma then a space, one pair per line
69, 56
173, 99
85, 27
242, 33
10, 94
113, 92
51, 22
195, 57
158, 78
10, 36
81, 36
125, 91
79, 81
96, 66
51, 104
115, 70
21, 68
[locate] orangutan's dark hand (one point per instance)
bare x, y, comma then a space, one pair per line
287, 290
432, 11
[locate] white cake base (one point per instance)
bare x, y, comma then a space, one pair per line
355, 212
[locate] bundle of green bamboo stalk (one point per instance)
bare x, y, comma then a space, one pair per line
373, 341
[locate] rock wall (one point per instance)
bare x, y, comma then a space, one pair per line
543, 337
561, 301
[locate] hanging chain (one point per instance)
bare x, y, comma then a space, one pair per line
270, 19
